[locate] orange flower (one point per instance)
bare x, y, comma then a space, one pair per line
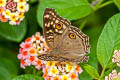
56, 78
3, 19
28, 39
49, 78
37, 37
46, 71
1, 10
78, 68
44, 76
32, 58
73, 76
32, 51
39, 62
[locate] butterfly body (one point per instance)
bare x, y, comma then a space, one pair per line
66, 42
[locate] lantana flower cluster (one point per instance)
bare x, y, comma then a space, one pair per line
52, 70
113, 76
61, 71
116, 57
13, 11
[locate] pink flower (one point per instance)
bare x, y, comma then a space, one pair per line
25, 54
23, 63
20, 50
38, 64
31, 60
26, 45
11, 5
113, 76
116, 57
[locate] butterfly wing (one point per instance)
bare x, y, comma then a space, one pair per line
48, 57
75, 44
54, 27
62, 47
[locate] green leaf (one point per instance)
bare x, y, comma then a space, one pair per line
85, 76
33, 1
28, 77
70, 9
13, 33
109, 40
9, 65
4, 74
117, 3
92, 71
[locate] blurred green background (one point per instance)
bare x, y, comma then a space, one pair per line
88, 15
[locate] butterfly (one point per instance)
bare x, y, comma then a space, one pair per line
66, 42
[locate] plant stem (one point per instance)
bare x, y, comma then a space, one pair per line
82, 24
103, 5
102, 74
96, 6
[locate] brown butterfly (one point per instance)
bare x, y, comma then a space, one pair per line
66, 42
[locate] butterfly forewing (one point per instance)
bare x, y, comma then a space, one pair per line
54, 27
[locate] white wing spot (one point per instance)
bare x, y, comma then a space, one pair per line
50, 30
52, 23
56, 30
46, 16
50, 37
45, 24
48, 25
47, 32
52, 13
56, 21
53, 19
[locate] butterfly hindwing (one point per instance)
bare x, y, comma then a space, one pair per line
48, 57
74, 44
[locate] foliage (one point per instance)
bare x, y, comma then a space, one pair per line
100, 19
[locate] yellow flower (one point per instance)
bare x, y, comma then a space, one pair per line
21, 15
53, 71
50, 63
69, 68
65, 77
21, 1
2, 3
14, 17
21, 7
7, 13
